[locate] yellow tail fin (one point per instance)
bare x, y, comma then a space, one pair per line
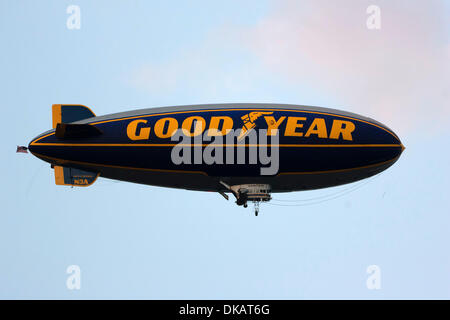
67, 113
66, 176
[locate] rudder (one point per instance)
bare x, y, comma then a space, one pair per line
67, 113
66, 176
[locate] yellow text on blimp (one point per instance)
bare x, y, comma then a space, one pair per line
141, 129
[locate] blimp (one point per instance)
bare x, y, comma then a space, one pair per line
247, 150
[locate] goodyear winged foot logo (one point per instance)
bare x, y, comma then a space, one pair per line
249, 122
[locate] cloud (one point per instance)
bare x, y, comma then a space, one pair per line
399, 73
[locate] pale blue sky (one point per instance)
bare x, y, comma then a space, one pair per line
136, 241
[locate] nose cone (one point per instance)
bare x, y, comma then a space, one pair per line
383, 145
394, 146
395, 140
398, 151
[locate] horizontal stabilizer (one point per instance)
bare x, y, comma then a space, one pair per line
67, 113
76, 131
66, 176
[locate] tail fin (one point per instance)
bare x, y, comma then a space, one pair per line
66, 176
67, 113
76, 131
